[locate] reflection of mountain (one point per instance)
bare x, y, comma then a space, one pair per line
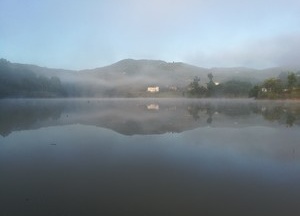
134, 116
27, 114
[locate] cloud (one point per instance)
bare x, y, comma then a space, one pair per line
267, 52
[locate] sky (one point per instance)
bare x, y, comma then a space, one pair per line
81, 34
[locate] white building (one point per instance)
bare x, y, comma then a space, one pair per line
153, 107
153, 89
264, 90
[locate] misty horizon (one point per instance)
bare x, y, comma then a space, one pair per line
294, 66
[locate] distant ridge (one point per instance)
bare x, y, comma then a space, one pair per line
159, 67
124, 78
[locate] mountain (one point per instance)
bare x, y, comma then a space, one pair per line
126, 78
174, 73
18, 80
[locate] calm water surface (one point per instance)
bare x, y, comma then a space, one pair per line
149, 157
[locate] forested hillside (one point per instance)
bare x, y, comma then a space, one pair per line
131, 78
21, 82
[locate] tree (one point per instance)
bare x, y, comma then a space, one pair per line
210, 85
292, 80
194, 86
236, 88
273, 85
254, 92
271, 88
210, 77
195, 89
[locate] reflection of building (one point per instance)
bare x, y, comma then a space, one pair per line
153, 89
153, 107
173, 88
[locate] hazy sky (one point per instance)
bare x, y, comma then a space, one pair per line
77, 34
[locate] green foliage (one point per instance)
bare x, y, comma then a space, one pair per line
195, 89
284, 87
194, 86
292, 80
232, 88
21, 82
210, 77
271, 88
254, 92
235, 88
273, 85
211, 86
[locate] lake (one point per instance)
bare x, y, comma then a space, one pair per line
149, 157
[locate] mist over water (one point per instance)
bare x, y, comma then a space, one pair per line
149, 157
93, 152
146, 116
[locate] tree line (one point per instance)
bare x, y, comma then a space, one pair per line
17, 82
23, 82
231, 88
286, 86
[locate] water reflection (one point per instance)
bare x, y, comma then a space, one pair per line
287, 114
153, 107
227, 157
27, 114
138, 116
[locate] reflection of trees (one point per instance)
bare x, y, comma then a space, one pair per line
194, 111
226, 109
210, 111
24, 115
235, 110
290, 119
273, 114
128, 118
283, 115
